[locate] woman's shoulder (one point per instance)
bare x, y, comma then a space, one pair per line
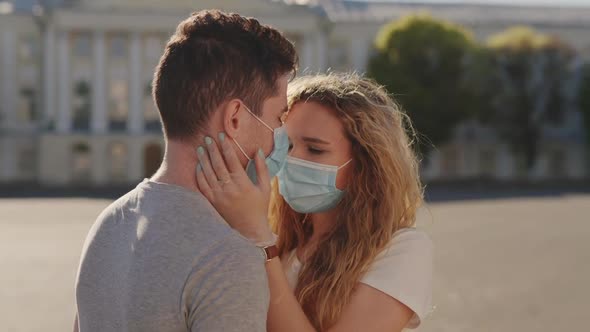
409, 247
410, 240
404, 269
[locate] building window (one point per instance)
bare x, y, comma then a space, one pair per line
118, 105
28, 50
338, 55
118, 158
81, 105
151, 115
81, 163
118, 46
81, 45
487, 162
153, 47
27, 104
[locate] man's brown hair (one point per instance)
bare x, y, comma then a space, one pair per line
214, 57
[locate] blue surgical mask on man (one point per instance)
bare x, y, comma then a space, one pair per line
276, 158
309, 187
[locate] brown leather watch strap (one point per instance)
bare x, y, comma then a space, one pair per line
270, 252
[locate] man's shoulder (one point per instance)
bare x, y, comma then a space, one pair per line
172, 212
233, 256
232, 260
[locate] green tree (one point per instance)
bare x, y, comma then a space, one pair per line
532, 83
422, 62
585, 108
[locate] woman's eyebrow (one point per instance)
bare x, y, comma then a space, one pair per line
314, 140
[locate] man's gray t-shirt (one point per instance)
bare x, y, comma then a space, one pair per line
162, 259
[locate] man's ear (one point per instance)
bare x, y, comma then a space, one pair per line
232, 118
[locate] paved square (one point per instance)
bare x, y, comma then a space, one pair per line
520, 264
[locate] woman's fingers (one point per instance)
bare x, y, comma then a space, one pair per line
207, 170
203, 184
217, 162
262, 172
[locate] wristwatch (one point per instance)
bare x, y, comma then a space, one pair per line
270, 252
269, 248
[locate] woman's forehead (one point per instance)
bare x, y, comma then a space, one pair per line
314, 120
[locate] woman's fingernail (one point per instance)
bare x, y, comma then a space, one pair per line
199, 167
221, 137
208, 140
261, 153
200, 150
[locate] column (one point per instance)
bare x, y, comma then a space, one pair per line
136, 124
307, 50
9, 79
98, 122
49, 82
358, 54
64, 108
321, 51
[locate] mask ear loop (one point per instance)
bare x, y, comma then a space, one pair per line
241, 150
257, 118
348, 162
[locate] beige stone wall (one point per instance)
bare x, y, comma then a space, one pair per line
57, 158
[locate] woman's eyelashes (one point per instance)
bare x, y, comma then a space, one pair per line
310, 149
313, 150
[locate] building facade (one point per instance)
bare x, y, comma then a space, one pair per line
75, 82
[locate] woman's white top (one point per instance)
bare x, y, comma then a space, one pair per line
403, 270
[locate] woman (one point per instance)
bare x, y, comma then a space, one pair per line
343, 207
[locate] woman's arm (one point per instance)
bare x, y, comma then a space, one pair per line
284, 313
372, 310
369, 309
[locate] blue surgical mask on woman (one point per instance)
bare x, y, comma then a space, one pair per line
309, 187
276, 159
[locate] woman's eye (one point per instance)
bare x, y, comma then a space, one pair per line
290, 146
314, 150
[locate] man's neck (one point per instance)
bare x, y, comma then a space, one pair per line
179, 166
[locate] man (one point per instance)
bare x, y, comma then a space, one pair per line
161, 258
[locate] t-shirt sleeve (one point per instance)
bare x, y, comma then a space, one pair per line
228, 290
404, 271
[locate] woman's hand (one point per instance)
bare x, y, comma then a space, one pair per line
224, 182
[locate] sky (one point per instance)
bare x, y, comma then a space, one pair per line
585, 3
